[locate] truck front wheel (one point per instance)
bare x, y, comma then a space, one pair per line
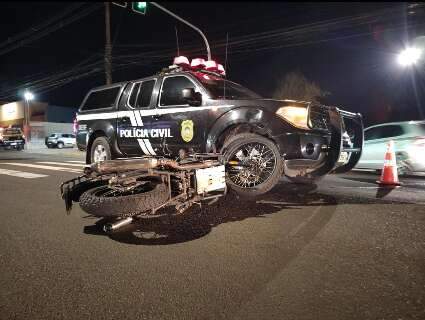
253, 164
100, 150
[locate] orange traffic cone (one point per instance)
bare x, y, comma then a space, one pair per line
389, 176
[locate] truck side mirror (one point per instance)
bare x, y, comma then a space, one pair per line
193, 98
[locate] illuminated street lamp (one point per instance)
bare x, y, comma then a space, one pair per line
28, 97
409, 56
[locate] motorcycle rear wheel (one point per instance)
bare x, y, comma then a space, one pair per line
105, 201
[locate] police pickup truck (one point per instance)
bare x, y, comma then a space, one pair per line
192, 109
12, 138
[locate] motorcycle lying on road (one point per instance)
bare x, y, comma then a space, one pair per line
129, 189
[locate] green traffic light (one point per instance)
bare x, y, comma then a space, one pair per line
139, 7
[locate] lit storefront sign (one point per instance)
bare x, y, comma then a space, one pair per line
11, 111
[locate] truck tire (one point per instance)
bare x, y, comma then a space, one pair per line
254, 154
60, 145
100, 150
149, 197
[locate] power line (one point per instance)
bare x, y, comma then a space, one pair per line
37, 28
294, 36
51, 29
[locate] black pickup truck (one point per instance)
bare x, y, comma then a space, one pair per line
12, 138
182, 111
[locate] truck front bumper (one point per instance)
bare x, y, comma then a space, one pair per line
15, 144
314, 154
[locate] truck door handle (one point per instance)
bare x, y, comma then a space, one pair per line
157, 116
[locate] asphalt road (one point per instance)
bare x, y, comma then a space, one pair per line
343, 249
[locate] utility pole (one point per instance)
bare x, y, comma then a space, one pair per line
108, 46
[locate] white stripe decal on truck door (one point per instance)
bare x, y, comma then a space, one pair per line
143, 147
145, 113
139, 123
149, 146
139, 119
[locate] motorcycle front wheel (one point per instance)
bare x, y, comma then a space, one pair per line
105, 201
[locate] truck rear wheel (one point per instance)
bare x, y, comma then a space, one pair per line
253, 164
100, 150
105, 201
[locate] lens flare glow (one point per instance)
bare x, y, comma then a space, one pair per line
28, 96
409, 56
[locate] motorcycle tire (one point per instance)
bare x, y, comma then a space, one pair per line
239, 141
95, 203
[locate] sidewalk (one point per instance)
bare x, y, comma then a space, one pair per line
40, 148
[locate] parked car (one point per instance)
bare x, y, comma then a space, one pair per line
60, 140
409, 144
12, 138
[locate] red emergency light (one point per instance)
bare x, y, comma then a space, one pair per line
221, 70
181, 61
197, 63
211, 65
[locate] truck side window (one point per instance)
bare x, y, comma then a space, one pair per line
133, 96
101, 99
145, 94
171, 93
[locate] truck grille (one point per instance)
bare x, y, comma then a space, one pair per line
319, 117
11, 138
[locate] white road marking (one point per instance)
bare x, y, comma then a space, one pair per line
43, 167
73, 161
62, 163
21, 174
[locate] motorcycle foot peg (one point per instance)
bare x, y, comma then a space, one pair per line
110, 227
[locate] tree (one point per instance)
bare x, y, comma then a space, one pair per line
295, 86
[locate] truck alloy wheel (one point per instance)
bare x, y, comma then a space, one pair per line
100, 150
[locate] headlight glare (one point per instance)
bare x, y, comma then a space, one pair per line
297, 116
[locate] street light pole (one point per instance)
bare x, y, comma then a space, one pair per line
189, 24
28, 97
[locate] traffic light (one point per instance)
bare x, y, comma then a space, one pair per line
139, 7
120, 3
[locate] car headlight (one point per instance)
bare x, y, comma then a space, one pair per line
298, 116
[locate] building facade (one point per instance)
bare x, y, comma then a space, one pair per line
44, 119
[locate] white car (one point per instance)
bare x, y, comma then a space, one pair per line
60, 140
409, 145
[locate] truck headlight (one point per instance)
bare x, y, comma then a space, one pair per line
295, 115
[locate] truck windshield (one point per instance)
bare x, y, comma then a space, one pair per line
224, 89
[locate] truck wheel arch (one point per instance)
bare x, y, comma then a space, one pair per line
233, 122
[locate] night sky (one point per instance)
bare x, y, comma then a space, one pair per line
349, 49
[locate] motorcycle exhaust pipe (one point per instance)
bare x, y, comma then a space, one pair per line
112, 166
109, 227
